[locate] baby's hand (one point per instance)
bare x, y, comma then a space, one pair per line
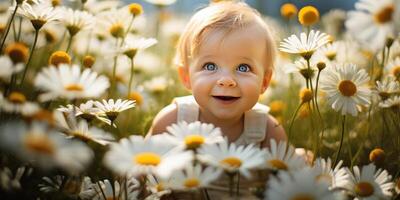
306, 154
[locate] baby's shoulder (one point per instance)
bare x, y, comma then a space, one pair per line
274, 130
166, 117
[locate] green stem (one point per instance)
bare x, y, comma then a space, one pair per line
30, 57
101, 190
113, 79
71, 37
319, 113
8, 27
19, 28
291, 124
341, 140
131, 76
231, 183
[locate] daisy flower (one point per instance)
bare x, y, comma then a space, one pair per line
39, 13
67, 81
111, 109
161, 2
370, 183
96, 6
301, 66
393, 102
277, 158
346, 88
393, 68
305, 45
133, 44
157, 84
44, 147
373, 21
115, 22
16, 102
76, 20
107, 191
157, 187
193, 177
8, 68
387, 87
137, 156
299, 185
82, 131
74, 187
86, 111
232, 158
193, 135
335, 177
10, 181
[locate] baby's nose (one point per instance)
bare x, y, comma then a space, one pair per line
226, 82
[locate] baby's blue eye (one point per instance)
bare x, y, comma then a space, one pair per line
210, 66
243, 68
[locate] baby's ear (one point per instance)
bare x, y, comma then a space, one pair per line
183, 73
266, 80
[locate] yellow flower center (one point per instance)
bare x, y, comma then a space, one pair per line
44, 115
159, 187
59, 57
88, 61
396, 71
49, 36
302, 197
17, 52
308, 15
17, 97
347, 88
277, 107
39, 143
137, 97
74, 87
324, 178
135, 9
147, 158
192, 183
2, 28
364, 189
117, 30
194, 141
305, 95
278, 164
384, 15
288, 10
81, 136
377, 156
55, 3
331, 55
231, 162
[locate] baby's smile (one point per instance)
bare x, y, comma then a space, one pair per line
225, 99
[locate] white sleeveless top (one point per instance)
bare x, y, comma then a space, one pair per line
255, 125
255, 119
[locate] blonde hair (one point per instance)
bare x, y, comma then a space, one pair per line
226, 16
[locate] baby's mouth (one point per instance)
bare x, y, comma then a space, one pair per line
226, 98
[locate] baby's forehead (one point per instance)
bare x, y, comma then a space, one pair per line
226, 38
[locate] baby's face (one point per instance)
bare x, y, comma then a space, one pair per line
228, 73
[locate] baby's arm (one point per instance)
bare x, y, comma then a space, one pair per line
274, 131
163, 119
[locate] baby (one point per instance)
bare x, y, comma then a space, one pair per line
225, 56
